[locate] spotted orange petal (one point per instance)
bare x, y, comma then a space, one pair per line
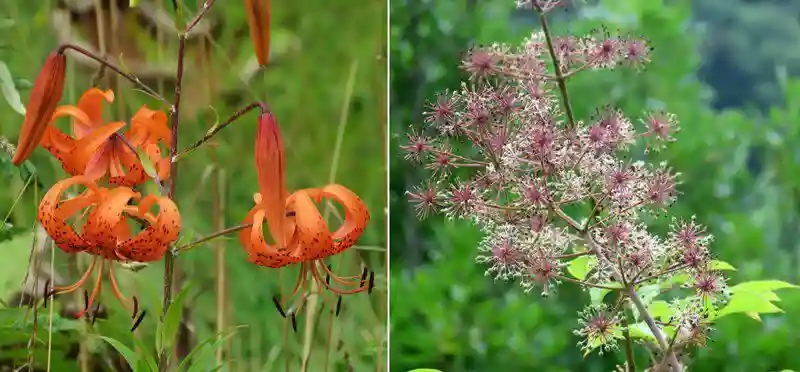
46, 92
356, 215
152, 242
128, 170
253, 242
101, 225
312, 239
52, 214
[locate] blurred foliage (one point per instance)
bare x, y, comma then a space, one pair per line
313, 54
739, 173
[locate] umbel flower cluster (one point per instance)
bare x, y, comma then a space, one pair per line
549, 190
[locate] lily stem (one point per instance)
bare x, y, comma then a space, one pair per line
131, 77
189, 246
218, 127
206, 7
169, 264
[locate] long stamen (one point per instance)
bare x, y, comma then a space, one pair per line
317, 277
115, 288
76, 285
332, 289
340, 279
98, 283
300, 282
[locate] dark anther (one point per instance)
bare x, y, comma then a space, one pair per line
46, 292
85, 300
291, 214
139, 320
294, 323
135, 307
328, 277
371, 282
364, 276
278, 305
338, 305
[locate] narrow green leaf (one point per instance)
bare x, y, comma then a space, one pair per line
146, 163
173, 318
581, 266
147, 357
10, 89
196, 355
130, 356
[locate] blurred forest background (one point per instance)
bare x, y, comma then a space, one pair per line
727, 68
315, 56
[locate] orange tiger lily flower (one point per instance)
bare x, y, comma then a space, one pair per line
258, 18
98, 150
46, 92
299, 232
104, 231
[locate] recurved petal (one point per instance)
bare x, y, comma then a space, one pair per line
356, 216
253, 242
87, 146
151, 243
311, 232
52, 214
271, 169
46, 93
258, 18
91, 103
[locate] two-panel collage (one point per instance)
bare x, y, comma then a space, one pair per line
401, 185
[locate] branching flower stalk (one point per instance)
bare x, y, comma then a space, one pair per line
551, 191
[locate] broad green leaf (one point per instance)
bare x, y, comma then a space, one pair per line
721, 265
676, 280
598, 294
641, 330
6, 23
581, 266
130, 356
762, 286
10, 90
748, 302
660, 310
173, 318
